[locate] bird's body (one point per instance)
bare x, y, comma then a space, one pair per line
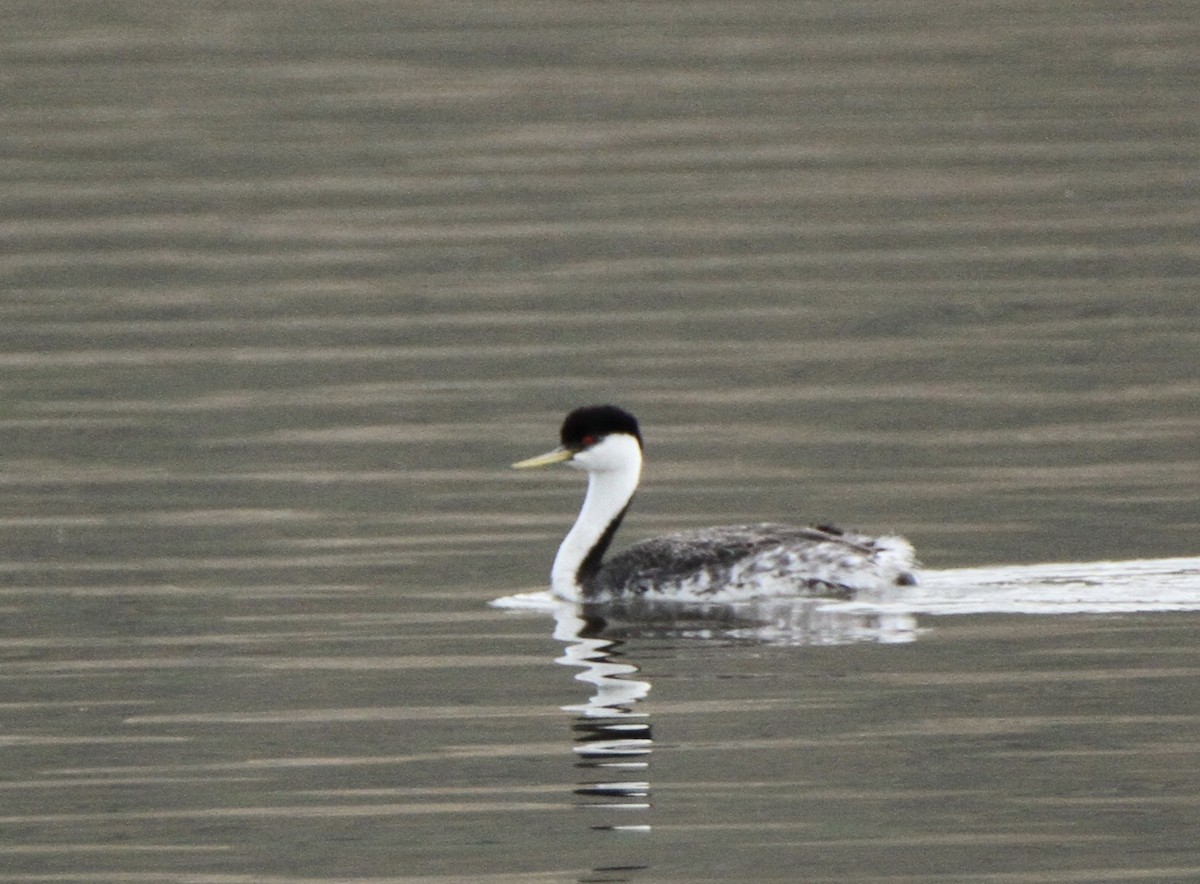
738, 562
723, 564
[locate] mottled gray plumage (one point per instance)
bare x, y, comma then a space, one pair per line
735, 561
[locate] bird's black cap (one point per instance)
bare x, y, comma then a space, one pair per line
586, 426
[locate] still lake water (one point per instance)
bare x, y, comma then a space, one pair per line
287, 286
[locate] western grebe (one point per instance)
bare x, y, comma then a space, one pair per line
723, 564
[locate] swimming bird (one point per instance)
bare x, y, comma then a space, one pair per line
724, 564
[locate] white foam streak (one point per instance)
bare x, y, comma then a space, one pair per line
1140, 585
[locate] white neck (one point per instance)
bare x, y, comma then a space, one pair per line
614, 466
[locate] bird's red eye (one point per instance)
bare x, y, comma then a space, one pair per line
588, 441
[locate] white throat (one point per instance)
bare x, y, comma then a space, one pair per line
614, 466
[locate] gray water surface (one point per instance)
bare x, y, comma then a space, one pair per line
285, 287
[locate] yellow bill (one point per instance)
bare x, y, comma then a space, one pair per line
558, 455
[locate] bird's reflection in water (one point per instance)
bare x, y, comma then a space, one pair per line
613, 739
